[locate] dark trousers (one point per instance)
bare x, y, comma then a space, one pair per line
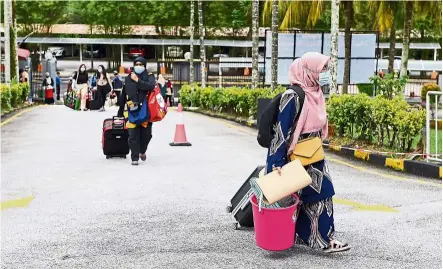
171, 100
101, 92
139, 138
58, 92
117, 95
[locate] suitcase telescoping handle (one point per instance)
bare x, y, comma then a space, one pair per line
120, 125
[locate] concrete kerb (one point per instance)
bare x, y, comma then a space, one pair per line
424, 169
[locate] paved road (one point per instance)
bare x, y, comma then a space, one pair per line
89, 212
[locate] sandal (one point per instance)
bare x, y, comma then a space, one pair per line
336, 246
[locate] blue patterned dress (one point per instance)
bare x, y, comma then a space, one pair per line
315, 221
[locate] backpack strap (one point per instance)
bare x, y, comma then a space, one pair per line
301, 98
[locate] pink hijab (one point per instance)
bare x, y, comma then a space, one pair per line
304, 71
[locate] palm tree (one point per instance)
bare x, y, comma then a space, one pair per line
255, 32
335, 16
191, 49
349, 19
430, 8
274, 46
409, 6
201, 30
385, 12
13, 35
8, 45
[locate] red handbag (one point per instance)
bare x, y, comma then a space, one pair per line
156, 105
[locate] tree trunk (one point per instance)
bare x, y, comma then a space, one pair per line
335, 14
255, 29
202, 45
391, 49
274, 60
349, 18
409, 6
191, 49
8, 27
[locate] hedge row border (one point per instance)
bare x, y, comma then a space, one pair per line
417, 168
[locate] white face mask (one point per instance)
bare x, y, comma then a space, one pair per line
323, 78
100, 70
82, 69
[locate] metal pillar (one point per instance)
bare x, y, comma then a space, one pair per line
121, 55
81, 54
435, 54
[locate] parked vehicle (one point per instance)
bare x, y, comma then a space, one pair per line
99, 51
137, 52
57, 51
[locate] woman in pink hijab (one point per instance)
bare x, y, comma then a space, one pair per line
315, 221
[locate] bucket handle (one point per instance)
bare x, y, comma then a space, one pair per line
294, 216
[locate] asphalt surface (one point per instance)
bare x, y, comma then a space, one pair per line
169, 212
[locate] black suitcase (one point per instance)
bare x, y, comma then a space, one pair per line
115, 138
241, 207
93, 103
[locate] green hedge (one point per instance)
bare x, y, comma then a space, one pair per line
378, 120
14, 96
240, 102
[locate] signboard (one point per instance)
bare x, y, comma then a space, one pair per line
294, 45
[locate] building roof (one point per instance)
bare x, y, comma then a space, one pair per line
135, 41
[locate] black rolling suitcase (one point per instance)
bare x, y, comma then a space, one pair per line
241, 207
94, 102
115, 138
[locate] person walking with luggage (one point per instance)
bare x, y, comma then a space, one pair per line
57, 85
162, 85
169, 93
48, 87
117, 85
103, 85
81, 85
315, 221
136, 87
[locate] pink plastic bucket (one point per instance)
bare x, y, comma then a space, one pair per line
274, 227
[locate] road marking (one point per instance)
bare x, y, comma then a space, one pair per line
398, 178
364, 207
21, 202
17, 115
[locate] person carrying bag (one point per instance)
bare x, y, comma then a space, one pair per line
133, 105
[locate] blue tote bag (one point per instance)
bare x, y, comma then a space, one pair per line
139, 114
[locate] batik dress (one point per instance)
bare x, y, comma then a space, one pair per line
315, 221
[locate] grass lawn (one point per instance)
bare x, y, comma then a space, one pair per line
438, 134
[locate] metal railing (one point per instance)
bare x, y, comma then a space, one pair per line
434, 153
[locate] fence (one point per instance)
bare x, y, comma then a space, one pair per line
227, 72
434, 136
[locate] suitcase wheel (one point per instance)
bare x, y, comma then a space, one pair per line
108, 157
229, 209
124, 157
236, 226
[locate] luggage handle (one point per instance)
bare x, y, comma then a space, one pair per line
119, 126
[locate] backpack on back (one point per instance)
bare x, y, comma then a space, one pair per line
270, 116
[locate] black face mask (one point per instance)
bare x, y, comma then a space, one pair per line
47, 76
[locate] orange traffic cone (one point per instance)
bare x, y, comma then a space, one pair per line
180, 134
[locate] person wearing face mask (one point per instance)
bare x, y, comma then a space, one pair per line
102, 82
48, 86
135, 90
315, 221
81, 85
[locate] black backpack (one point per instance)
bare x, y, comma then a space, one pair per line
270, 116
